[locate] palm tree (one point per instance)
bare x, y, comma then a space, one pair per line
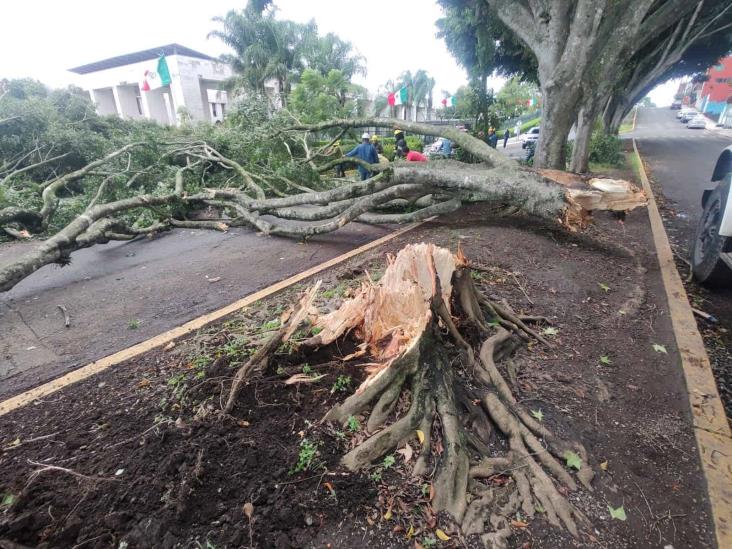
423, 88
264, 48
325, 53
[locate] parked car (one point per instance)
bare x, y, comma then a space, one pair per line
697, 123
688, 115
675, 105
711, 249
685, 112
530, 136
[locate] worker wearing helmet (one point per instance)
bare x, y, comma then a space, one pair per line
400, 140
377, 144
366, 152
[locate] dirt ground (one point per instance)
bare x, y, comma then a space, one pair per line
148, 462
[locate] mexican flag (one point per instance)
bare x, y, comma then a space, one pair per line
399, 97
449, 101
154, 79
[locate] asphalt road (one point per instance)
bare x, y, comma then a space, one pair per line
124, 292
681, 162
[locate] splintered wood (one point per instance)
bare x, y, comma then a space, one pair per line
390, 315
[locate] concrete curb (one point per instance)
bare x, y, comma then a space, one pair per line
711, 427
102, 364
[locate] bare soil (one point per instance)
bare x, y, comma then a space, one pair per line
161, 468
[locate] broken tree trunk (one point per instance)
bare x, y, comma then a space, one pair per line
432, 340
428, 188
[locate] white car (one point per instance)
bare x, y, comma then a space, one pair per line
686, 111
530, 136
711, 249
697, 123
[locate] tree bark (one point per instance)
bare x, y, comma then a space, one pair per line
582, 139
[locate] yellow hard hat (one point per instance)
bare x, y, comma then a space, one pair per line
374, 138
397, 131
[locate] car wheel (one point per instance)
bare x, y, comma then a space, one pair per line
706, 264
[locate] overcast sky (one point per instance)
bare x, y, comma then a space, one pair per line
44, 38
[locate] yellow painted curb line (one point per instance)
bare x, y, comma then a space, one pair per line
711, 427
102, 364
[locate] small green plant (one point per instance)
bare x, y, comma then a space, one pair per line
176, 380
376, 475
340, 435
388, 461
315, 330
307, 369
476, 275
353, 424
342, 384
271, 325
376, 275
7, 500
338, 291
235, 347
133, 324
429, 541
308, 452
280, 370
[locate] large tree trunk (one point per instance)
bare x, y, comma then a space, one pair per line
557, 117
579, 46
582, 139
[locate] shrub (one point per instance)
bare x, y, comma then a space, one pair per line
606, 148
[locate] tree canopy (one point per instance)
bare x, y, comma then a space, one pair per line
582, 53
266, 48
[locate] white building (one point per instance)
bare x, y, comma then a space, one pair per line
115, 85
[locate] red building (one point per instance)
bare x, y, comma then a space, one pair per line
717, 90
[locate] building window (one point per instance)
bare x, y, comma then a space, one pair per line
213, 110
138, 99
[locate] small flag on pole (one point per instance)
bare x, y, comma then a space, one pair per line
449, 101
154, 79
399, 97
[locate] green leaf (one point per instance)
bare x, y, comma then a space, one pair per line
605, 287
618, 513
660, 348
573, 460
7, 501
604, 359
538, 414
550, 331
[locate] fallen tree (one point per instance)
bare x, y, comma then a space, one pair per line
432, 342
276, 205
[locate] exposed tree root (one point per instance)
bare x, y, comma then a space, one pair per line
433, 341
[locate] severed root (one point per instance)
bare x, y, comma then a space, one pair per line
419, 326
260, 359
